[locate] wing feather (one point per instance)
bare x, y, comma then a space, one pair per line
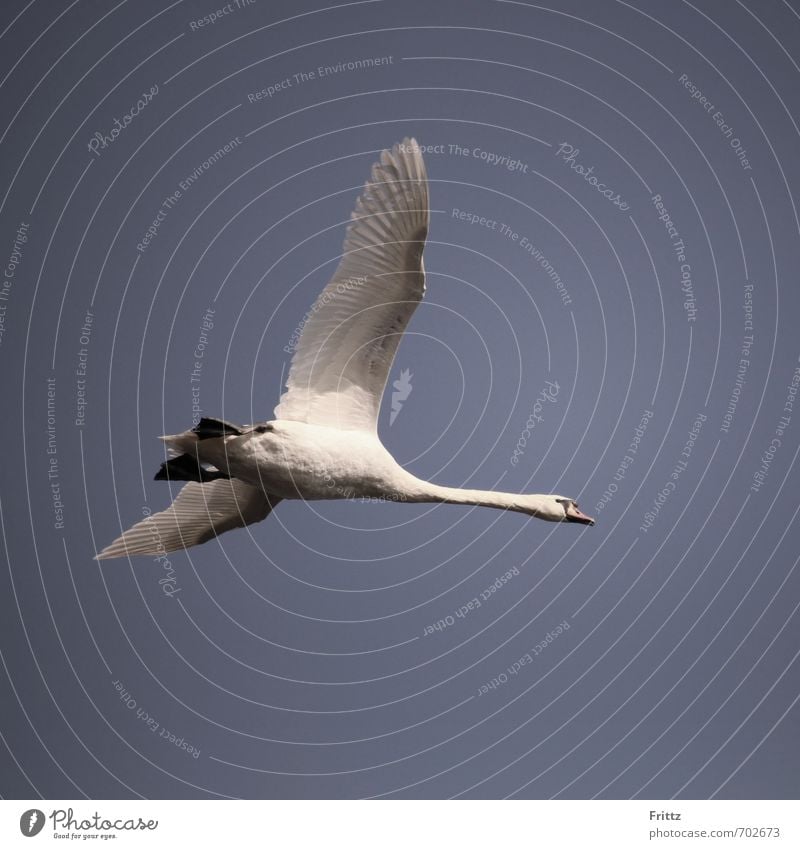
200, 512
342, 361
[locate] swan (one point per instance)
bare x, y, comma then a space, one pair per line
323, 441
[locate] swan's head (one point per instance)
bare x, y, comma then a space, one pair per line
554, 508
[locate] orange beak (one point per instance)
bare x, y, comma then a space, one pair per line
575, 515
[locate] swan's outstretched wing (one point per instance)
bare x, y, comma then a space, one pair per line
349, 339
200, 512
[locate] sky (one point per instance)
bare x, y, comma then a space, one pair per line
610, 316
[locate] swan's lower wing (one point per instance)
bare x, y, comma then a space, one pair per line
200, 512
351, 334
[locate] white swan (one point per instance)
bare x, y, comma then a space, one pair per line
323, 442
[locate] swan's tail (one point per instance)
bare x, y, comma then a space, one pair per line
184, 443
180, 443
186, 467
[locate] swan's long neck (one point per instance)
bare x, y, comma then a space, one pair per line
423, 491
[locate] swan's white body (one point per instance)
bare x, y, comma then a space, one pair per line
309, 461
323, 442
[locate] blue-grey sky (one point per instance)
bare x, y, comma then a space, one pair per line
610, 316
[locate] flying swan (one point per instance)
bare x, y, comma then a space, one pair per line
323, 442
